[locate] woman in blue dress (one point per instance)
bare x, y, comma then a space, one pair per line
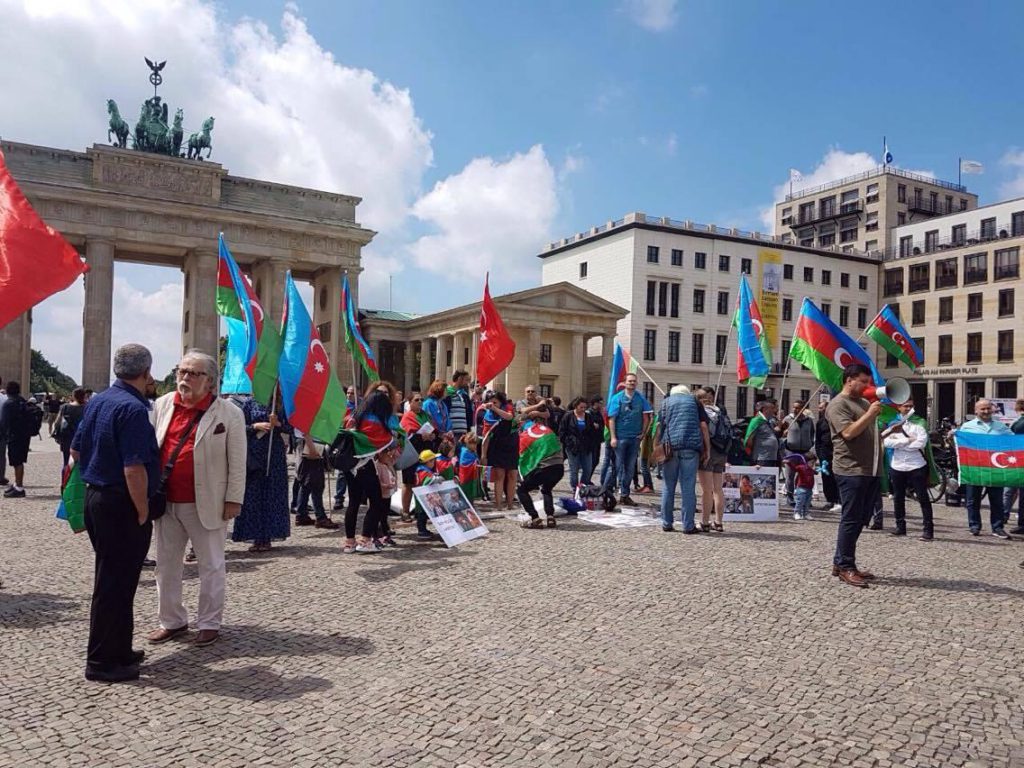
264, 516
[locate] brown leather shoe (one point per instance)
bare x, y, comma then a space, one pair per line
851, 577
863, 574
327, 523
163, 635
206, 637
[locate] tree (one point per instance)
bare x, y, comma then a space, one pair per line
46, 377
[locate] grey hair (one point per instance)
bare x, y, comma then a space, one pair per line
207, 362
131, 361
679, 389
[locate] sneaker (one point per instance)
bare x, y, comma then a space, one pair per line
190, 556
626, 501
1001, 534
338, 505
15, 493
369, 548
807, 516
797, 516
387, 541
427, 536
646, 489
667, 528
926, 536
1018, 531
836, 508
975, 531
149, 563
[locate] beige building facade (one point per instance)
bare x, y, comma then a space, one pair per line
679, 281
551, 325
119, 205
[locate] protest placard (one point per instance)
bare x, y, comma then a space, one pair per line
751, 494
450, 512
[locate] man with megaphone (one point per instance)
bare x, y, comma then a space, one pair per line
857, 465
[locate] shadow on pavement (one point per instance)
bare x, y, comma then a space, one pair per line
952, 585
409, 560
760, 536
33, 610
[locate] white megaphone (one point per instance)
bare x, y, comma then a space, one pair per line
896, 391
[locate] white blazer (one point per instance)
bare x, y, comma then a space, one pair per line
219, 454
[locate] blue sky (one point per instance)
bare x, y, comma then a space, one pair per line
476, 132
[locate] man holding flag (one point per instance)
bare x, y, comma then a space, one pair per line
978, 483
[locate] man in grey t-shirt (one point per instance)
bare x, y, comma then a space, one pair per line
857, 466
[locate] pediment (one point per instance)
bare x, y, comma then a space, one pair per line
563, 296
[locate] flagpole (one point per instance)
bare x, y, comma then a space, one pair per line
651, 378
270, 434
725, 357
821, 384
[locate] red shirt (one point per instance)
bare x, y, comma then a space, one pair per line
181, 485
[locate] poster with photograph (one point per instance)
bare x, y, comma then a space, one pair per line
451, 513
1004, 410
751, 494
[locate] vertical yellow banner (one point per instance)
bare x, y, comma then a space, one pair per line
769, 285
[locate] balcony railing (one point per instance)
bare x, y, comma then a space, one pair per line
928, 207
881, 169
1001, 232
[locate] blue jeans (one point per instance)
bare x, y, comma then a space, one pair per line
681, 468
581, 467
608, 467
645, 473
995, 501
625, 458
802, 497
858, 494
1011, 495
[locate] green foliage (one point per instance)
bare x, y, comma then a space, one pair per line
46, 377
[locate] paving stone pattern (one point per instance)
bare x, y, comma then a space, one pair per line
579, 646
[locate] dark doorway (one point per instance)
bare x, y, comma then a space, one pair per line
945, 405
973, 391
919, 394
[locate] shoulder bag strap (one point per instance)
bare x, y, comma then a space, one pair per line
181, 444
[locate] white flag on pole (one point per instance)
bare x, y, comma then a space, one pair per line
971, 166
795, 175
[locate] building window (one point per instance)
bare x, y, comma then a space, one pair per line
721, 344
673, 346
871, 196
862, 317
848, 235
946, 273
677, 257
786, 346
975, 306
844, 316
906, 245
976, 268
787, 309
1006, 390
826, 277
448, 358
974, 347
917, 312
893, 285
1005, 347
808, 274
649, 391
919, 340
931, 240
652, 254
871, 222
545, 353
700, 260
723, 263
958, 236
723, 302
946, 309
545, 390
1006, 302
698, 301
891, 361
826, 308
901, 218
746, 266
827, 240
848, 200
844, 279
1007, 263
662, 299
673, 308
787, 271
1017, 224
920, 277
901, 193
697, 353
650, 343
963, 204
862, 282
583, 270
949, 203
741, 402
652, 288
988, 228
827, 206
945, 350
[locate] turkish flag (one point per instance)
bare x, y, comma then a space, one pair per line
496, 348
35, 261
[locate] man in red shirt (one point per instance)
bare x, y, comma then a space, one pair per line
205, 489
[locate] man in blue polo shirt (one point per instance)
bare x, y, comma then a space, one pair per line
116, 448
629, 416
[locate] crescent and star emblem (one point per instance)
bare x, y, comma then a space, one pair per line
758, 326
536, 434
1009, 459
318, 366
257, 311
839, 356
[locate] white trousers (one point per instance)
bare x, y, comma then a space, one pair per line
173, 531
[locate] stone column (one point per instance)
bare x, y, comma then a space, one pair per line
474, 351
577, 370
459, 342
96, 315
441, 362
268, 282
607, 350
533, 359
426, 367
327, 315
199, 326
16, 350
408, 362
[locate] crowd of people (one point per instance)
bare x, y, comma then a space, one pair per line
184, 468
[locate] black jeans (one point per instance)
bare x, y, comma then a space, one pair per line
828, 485
364, 486
545, 478
309, 496
120, 544
858, 494
918, 480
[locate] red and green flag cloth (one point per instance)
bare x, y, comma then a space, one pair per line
888, 332
469, 473
992, 460
825, 348
72, 499
753, 350
536, 443
748, 438
372, 436
354, 340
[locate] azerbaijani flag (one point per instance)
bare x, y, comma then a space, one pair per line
754, 351
748, 438
72, 499
622, 364
254, 346
826, 349
371, 436
536, 443
445, 467
888, 332
313, 399
993, 461
469, 473
354, 340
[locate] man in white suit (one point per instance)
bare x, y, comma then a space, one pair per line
204, 490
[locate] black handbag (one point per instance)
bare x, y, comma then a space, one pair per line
158, 501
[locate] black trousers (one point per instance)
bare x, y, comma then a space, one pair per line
858, 494
545, 478
918, 480
829, 487
363, 486
120, 544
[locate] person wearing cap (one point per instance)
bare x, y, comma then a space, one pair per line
426, 472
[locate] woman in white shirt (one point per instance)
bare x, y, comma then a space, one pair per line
909, 466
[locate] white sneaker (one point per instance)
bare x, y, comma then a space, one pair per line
796, 516
807, 516
836, 508
367, 549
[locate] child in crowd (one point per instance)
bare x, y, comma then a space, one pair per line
803, 486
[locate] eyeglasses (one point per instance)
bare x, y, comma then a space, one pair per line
531, 392
189, 373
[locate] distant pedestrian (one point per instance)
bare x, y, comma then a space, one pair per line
264, 517
1013, 495
500, 450
823, 450
19, 422
68, 418
803, 484
762, 438
629, 417
459, 404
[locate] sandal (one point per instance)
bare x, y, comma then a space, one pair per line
405, 517
717, 527
550, 522
533, 522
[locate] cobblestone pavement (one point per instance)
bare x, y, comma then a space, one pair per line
579, 646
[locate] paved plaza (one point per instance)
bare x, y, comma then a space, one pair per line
580, 646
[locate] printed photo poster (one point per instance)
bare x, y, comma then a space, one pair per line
751, 494
450, 512
1004, 410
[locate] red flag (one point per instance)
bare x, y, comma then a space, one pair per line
35, 261
496, 348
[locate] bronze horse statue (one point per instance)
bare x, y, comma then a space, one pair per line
197, 142
117, 126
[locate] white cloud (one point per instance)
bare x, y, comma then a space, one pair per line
1013, 163
491, 215
151, 318
836, 164
653, 15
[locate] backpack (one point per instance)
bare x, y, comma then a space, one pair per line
341, 455
32, 416
721, 435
